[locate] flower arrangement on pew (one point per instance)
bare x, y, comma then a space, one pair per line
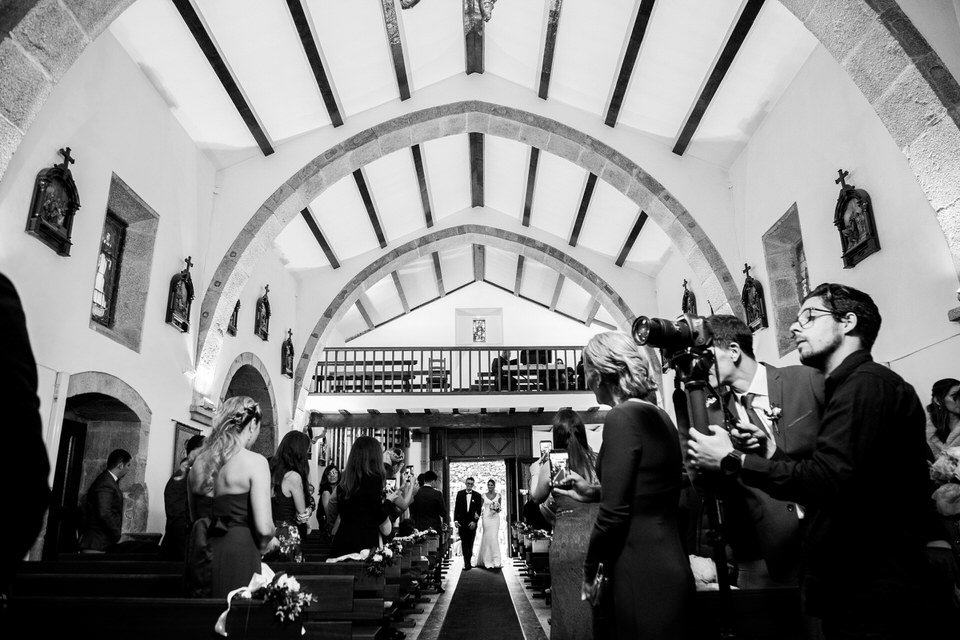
280, 591
538, 534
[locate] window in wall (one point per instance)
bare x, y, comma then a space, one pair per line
108, 270
787, 270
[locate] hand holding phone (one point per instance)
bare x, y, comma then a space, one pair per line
391, 484
559, 466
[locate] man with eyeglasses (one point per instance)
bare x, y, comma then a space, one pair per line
865, 484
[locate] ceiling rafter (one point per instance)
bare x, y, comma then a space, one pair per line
360, 177
747, 17
592, 314
407, 312
321, 239
519, 280
230, 84
479, 262
549, 45
365, 315
556, 292
546, 306
630, 54
438, 272
315, 59
476, 169
631, 238
531, 185
417, 153
394, 30
400, 292
588, 187
473, 27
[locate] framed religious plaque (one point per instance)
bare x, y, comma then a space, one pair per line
55, 201
180, 299
286, 355
182, 433
261, 322
689, 302
853, 217
753, 303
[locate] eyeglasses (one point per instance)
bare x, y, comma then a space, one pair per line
805, 318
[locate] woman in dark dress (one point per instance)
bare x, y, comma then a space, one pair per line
329, 480
288, 502
235, 483
571, 617
363, 508
636, 536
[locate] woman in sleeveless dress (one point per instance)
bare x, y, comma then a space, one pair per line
636, 535
288, 479
489, 555
235, 483
571, 618
365, 511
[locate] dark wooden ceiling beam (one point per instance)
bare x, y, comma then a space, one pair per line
629, 61
585, 197
403, 296
531, 185
368, 204
476, 169
321, 239
230, 85
556, 292
395, 40
315, 60
519, 281
632, 238
473, 28
539, 304
549, 46
438, 272
431, 418
479, 262
724, 61
422, 182
365, 315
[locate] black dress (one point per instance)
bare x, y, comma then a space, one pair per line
233, 543
636, 536
177, 527
198, 559
288, 531
360, 518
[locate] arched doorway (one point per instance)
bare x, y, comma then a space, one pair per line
102, 413
248, 377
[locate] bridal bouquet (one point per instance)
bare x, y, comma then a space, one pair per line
495, 506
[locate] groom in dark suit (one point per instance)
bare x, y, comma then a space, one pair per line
786, 404
466, 513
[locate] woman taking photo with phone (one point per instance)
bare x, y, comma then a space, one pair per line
570, 616
635, 537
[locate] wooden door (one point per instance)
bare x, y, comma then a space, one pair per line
64, 518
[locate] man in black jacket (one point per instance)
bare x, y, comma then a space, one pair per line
429, 510
864, 485
103, 511
466, 513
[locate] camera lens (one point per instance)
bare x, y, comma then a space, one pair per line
641, 330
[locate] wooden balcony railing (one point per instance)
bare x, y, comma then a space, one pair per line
450, 370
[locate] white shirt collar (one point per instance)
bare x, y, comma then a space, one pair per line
759, 384
112, 475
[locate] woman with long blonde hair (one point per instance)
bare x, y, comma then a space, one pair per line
230, 495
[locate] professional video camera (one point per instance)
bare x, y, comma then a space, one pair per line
685, 344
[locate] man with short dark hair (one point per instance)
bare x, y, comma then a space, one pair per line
103, 511
466, 513
865, 484
429, 510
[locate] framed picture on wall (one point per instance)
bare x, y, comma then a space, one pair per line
479, 326
182, 433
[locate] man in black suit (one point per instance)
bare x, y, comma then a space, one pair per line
428, 509
466, 513
786, 404
26, 467
865, 486
103, 510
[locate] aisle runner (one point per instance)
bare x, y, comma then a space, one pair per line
481, 608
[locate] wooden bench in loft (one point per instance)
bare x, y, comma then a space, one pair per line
397, 375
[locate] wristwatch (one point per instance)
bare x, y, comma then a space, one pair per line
731, 463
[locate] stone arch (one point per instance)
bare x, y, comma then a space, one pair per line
466, 234
436, 122
249, 376
117, 417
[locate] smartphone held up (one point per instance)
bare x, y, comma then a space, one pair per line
559, 466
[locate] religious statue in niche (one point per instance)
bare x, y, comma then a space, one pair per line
475, 13
853, 217
55, 202
286, 355
753, 303
689, 302
261, 324
180, 298
232, 325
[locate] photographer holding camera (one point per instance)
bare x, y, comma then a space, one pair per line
864, 485
779, 405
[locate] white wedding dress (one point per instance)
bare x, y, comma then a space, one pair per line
489, 554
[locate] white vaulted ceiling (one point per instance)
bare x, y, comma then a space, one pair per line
263, 53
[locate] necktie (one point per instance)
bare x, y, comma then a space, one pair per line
747, 401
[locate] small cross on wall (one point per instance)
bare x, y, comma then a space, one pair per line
67, 160
746, 269
840, 181
189, 262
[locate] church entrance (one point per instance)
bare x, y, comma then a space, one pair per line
482, 471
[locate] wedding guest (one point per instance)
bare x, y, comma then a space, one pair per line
428, 509
236, 480
870, 462
571, 617
506, 380
26, 466
328, 485
288, 499
943, 428
103, 506
178, 523
360, 502
635, 537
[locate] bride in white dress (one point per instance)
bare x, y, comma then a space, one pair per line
489, 554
